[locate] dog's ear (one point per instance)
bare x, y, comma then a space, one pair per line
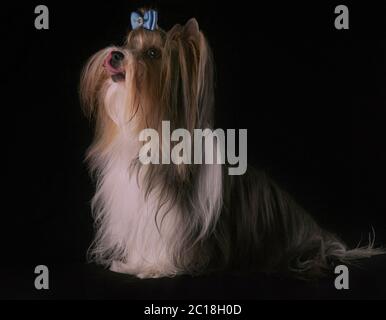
187, 76
191, 28
187, 81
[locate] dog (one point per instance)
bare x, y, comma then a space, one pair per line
162, 220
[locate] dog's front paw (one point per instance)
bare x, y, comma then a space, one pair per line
143, 272
121, 267
153, 273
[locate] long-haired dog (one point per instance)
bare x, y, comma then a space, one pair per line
160, 220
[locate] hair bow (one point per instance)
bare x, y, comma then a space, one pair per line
147, 21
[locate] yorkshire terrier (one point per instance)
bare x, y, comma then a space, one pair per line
162, 220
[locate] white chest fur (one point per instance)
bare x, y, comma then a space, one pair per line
128, 236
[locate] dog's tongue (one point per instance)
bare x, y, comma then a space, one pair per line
110, 68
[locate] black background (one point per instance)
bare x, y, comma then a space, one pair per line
312, 98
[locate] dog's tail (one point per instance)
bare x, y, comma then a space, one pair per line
318, 258
265, 228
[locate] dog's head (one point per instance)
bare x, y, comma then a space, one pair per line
156, 75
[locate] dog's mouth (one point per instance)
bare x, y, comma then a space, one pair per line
117, 73
117, 77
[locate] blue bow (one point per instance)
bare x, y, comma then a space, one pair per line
147, 21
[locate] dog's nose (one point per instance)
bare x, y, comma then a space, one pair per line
116, 59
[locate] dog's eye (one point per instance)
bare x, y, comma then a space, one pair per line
153, 53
